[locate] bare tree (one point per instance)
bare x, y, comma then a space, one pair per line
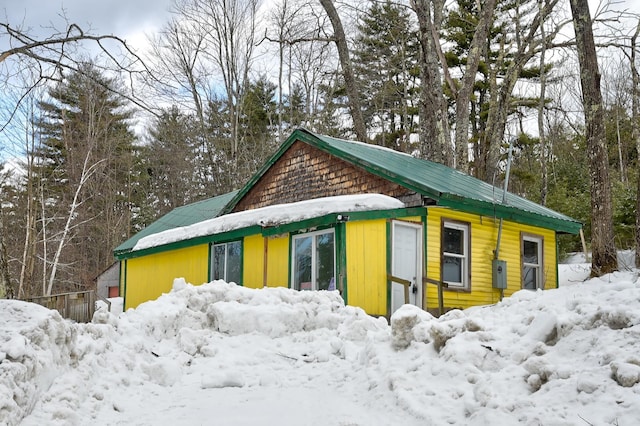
48, 57
88, 170
541, 108
434, 130
228, 31
176, 58
6, 289
467, 84
604, 259
311, 66
283, 17
350, 81
635, 120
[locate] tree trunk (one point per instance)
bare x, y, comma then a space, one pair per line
541, 109
468, 81
6, 291
635, 133
432, 113
351, 85
604, 259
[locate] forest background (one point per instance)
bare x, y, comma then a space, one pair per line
108, 138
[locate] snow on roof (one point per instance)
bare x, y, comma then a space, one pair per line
272, 216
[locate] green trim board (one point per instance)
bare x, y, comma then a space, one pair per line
557, 261
209, 263
124, 284
236, 234
510, 213
425, 263
241, 283
341, 260
388, 248
333, 218
318, 222
290, 264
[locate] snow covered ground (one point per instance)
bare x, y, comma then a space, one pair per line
220, 354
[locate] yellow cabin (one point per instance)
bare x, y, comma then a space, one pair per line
381, 227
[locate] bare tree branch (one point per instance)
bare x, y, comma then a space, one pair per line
50, 57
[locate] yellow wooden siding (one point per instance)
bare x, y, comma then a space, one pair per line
366, 264
150, 276
253, 261
483, 237
278, 261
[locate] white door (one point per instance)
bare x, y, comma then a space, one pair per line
406, 263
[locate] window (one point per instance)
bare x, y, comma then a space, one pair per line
226, 262
455, 254
531, 262
313, 260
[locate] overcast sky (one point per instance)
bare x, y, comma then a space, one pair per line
128, 19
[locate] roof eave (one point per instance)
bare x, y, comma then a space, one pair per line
513, 214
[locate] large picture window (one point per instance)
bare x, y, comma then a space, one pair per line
226, 262
313, 261
455, 254
532, 277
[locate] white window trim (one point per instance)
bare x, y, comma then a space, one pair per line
314, 260
226, 257
465, 228
539, 266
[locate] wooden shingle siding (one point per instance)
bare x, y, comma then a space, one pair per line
305, 172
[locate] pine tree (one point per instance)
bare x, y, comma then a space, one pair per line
512, 41
258, 126
385, 57
172, 157
86, 159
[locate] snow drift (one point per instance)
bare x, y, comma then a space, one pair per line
241, 356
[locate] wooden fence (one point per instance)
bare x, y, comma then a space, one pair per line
78, 306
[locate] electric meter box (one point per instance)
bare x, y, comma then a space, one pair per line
499, 274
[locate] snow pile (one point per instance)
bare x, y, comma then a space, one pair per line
213, 337
36, 346
224, 354
272, 216
556, 356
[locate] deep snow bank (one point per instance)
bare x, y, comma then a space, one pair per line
36, 345
232, 310
567, 355
229, 336
564, 357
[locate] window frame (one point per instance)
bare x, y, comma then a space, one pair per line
539, 267
212, 248
465, 227
314, 261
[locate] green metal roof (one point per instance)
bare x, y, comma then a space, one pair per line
446, 186
180, 216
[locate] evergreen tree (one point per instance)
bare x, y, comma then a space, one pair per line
512, 42
172, 157
86, 159
295, 112
385, 57
258, 126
